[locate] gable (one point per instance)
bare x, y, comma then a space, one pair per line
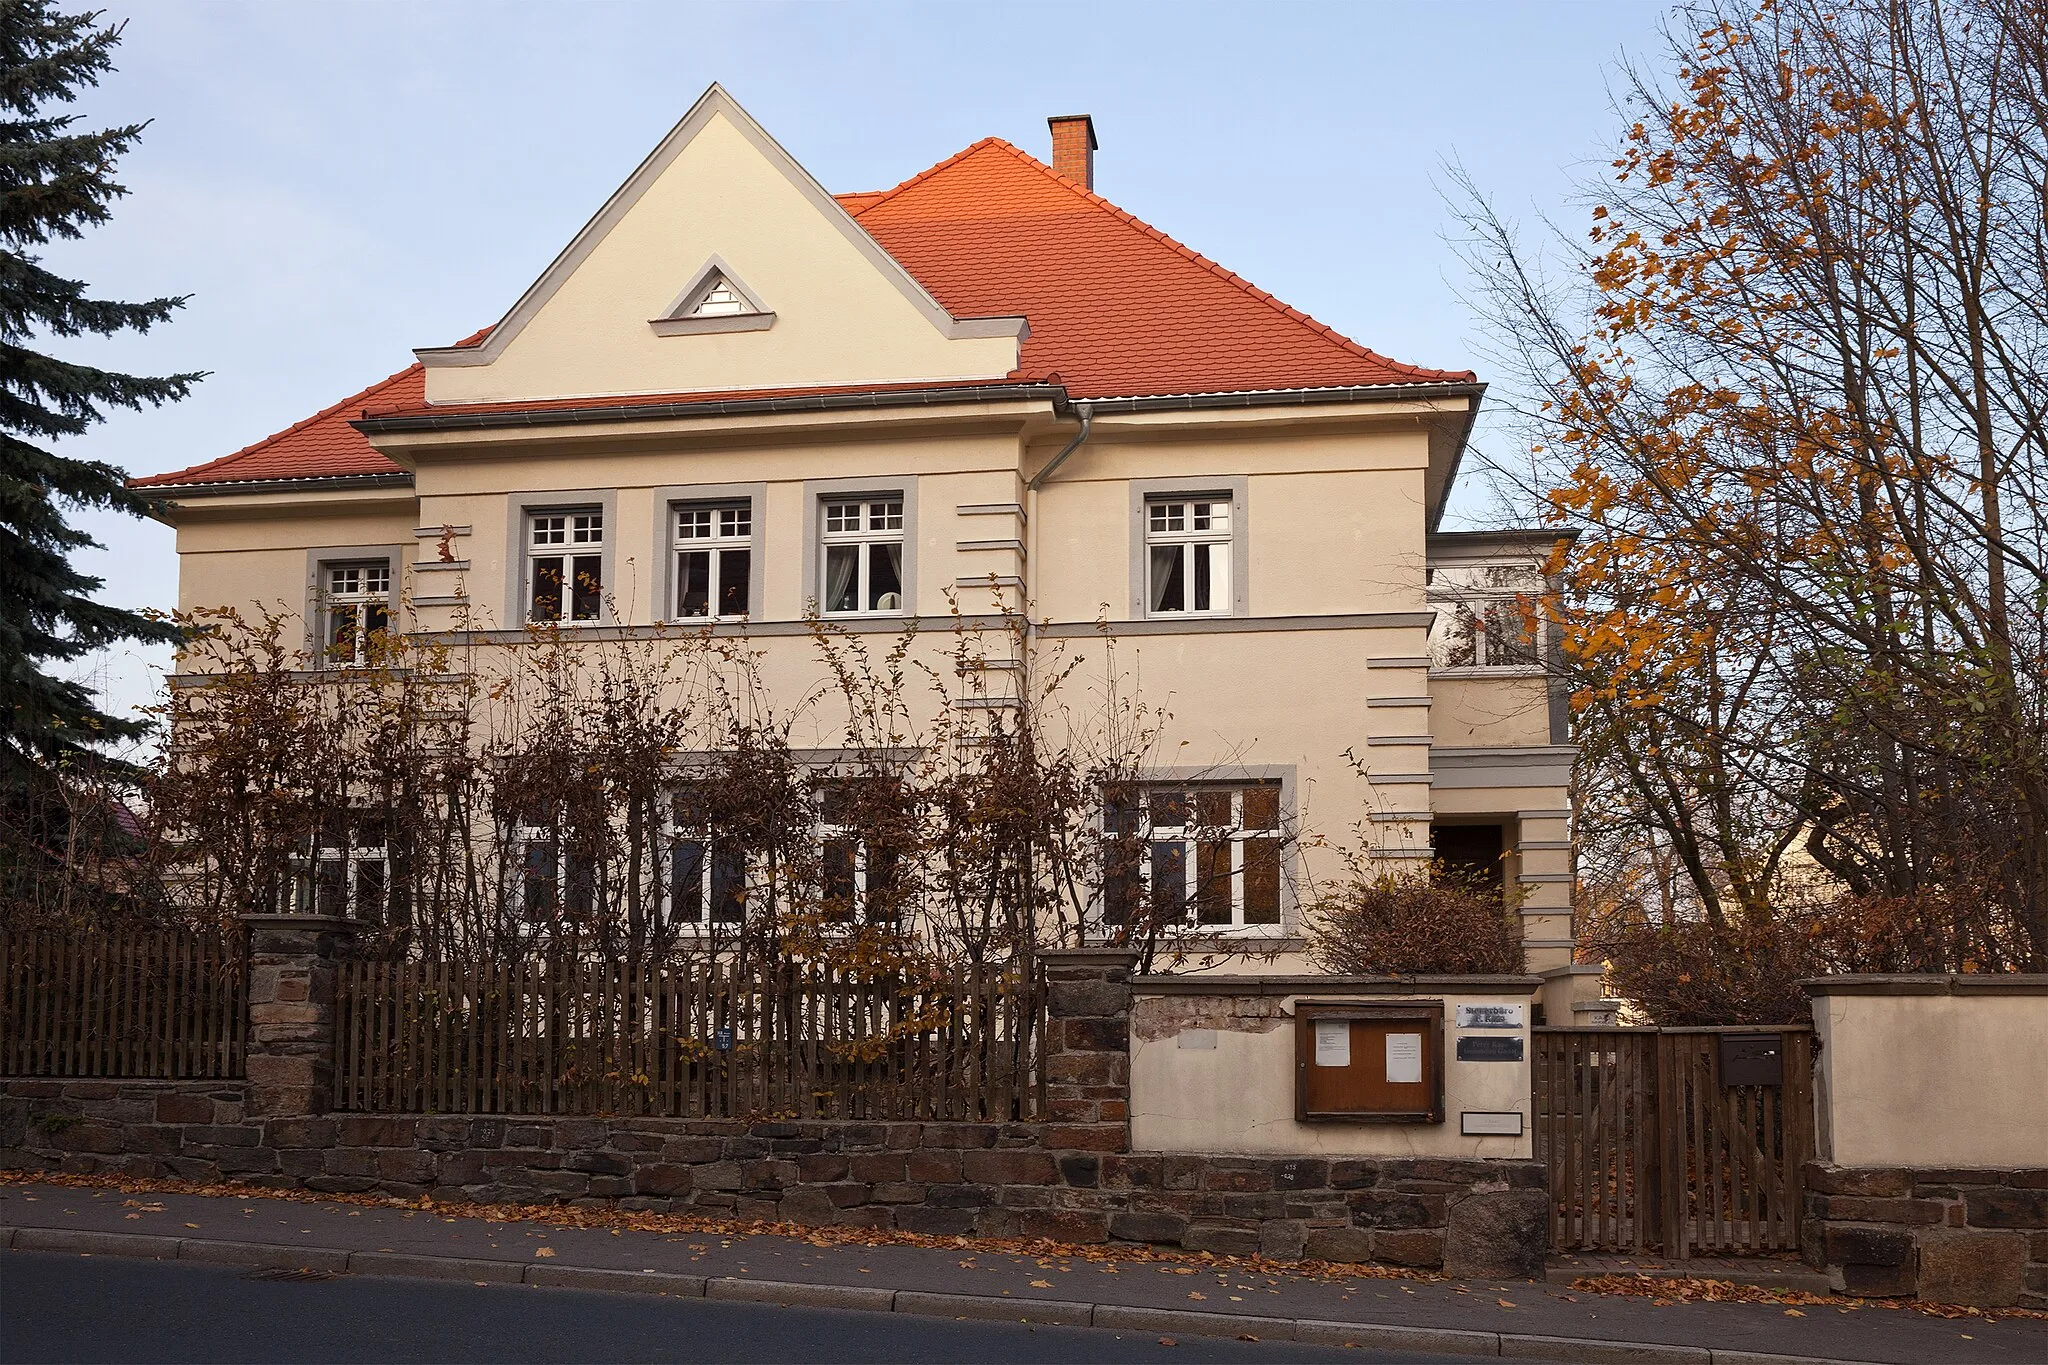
719, 194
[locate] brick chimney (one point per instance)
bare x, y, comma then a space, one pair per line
1073, 148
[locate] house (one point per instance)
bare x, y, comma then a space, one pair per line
735, 398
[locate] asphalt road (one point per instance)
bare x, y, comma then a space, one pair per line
82, 1308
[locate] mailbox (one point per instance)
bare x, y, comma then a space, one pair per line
1369, 1063
1752, 1059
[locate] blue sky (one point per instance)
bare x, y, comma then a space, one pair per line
335, 184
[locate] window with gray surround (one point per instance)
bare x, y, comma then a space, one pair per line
560, 562
351, 600
860, 547
1207, 852
1189, 550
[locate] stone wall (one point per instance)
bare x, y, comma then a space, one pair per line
1977, 1237
980, 1179
1072, 1178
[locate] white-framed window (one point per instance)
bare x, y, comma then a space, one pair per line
355, 609
714, 550
565, 564
707, 873
1490, 630
858, 868
861, 559
349, 879
1187, 556
553, 873
1206, 855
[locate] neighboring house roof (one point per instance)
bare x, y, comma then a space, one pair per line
1115, 307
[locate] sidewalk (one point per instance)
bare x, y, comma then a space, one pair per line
1517, 1318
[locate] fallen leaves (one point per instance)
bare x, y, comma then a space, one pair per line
1041, 1284
1663, 1291
544, 1251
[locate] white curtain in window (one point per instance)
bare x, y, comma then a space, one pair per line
841, 563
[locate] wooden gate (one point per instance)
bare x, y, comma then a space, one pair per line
1674, 1140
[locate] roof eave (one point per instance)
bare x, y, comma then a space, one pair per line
165, 493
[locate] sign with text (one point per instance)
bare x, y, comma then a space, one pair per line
1490, 1016
1483, 1049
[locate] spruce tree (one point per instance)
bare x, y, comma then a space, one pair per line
56, 181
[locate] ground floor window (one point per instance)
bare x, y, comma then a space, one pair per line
858, 861
350, 877
707, 870
1204, 855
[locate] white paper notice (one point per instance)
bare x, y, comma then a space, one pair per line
1333, 1042
1404, 1058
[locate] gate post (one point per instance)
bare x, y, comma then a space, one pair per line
1088, 1048
292, 980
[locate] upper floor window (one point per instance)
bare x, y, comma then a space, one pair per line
862, 563
1486, 616
357, 610
565, 564
1497, 632
1187, 554
1205, 856
714, 559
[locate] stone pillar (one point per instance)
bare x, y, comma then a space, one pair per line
1088, 1048
292, 977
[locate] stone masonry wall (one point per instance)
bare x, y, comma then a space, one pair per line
1977, 1237
1072, 1178
979, 1179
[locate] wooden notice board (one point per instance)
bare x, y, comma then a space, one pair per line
1369, 1063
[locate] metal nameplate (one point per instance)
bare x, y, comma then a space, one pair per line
1484, 1049
1489, 1016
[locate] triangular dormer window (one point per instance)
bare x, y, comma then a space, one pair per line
715, 301
720, 301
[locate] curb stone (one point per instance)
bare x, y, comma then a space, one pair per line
410, 1266
1448, 1341
1055, 1312
616, 1281
987, 1307
1583, 1352
132, 1244
802, 1295
267, 1255
1192, 1323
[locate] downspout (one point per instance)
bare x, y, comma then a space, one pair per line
1081, 411
1031, 509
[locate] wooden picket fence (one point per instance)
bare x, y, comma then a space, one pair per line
1648, 1149
166, 1004
701, 1040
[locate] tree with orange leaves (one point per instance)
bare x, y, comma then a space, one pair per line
1795, 396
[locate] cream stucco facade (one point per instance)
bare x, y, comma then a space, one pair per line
1327, 663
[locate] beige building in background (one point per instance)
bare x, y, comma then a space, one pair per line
735, 397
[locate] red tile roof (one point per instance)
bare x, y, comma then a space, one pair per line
324, 446
1116, 309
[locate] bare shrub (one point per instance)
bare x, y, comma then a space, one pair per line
1695, 972
1381, 923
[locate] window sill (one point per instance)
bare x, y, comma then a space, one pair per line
1490, 671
